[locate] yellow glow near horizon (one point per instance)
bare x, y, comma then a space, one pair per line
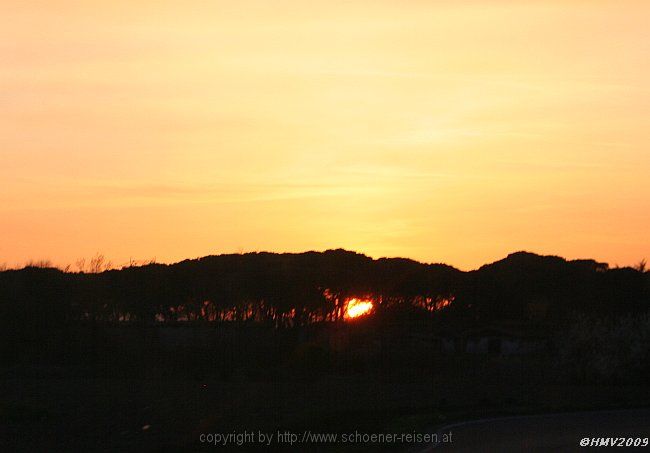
447, 131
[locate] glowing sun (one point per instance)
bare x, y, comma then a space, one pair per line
357, 307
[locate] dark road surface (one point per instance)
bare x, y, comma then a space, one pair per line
546, 433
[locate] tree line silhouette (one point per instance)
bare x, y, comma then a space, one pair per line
290, 290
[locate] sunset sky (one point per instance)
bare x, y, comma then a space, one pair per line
444, 131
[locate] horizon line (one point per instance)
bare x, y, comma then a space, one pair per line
108, 265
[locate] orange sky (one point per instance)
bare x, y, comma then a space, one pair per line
453, 131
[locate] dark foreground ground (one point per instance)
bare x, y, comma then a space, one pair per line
61, 413
549, 432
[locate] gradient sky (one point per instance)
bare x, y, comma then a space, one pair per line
444, 131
